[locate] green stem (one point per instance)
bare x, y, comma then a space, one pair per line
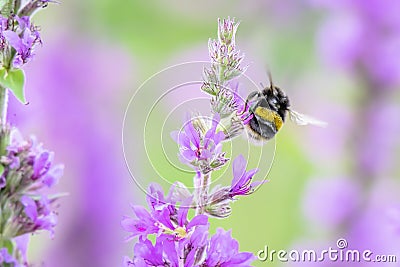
202, 193
3, 105
17, 6
4, 132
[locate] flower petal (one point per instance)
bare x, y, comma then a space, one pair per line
239, 168
198, 220
14, 40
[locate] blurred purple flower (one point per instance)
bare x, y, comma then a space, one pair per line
326, 147
377, 147
363, 36
69, 104
330, 201
373, 229
393, 215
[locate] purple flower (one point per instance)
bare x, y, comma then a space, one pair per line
223, 251
220, 198
52, 176
228, 101
201, 150
166, 220
168, 252
42, 164
7, 258
22, 245
34, 159
143, 225
175, 233
163, 253
4, 25
155, 197
147, 254
241, 182
198, 242
28, 173
40, 215
23, 40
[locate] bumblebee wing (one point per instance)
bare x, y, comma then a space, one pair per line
301, 119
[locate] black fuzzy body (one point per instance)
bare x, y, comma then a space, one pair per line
273, 99
276, 100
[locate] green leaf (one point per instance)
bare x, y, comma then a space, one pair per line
1, 169
14, 80
6, 7
9, 245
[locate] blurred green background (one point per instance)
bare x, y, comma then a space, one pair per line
114, 46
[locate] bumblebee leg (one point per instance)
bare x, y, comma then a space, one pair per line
244, 109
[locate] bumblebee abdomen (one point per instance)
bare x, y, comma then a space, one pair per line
267, 115
261, 130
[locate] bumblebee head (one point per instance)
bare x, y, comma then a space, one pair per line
277, 100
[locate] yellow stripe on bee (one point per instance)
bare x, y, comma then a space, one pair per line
269, 115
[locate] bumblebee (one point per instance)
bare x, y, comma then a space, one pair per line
267, 110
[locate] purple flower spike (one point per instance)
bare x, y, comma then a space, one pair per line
241, 183
182, 239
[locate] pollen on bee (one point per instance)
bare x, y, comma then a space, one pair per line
269, 115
